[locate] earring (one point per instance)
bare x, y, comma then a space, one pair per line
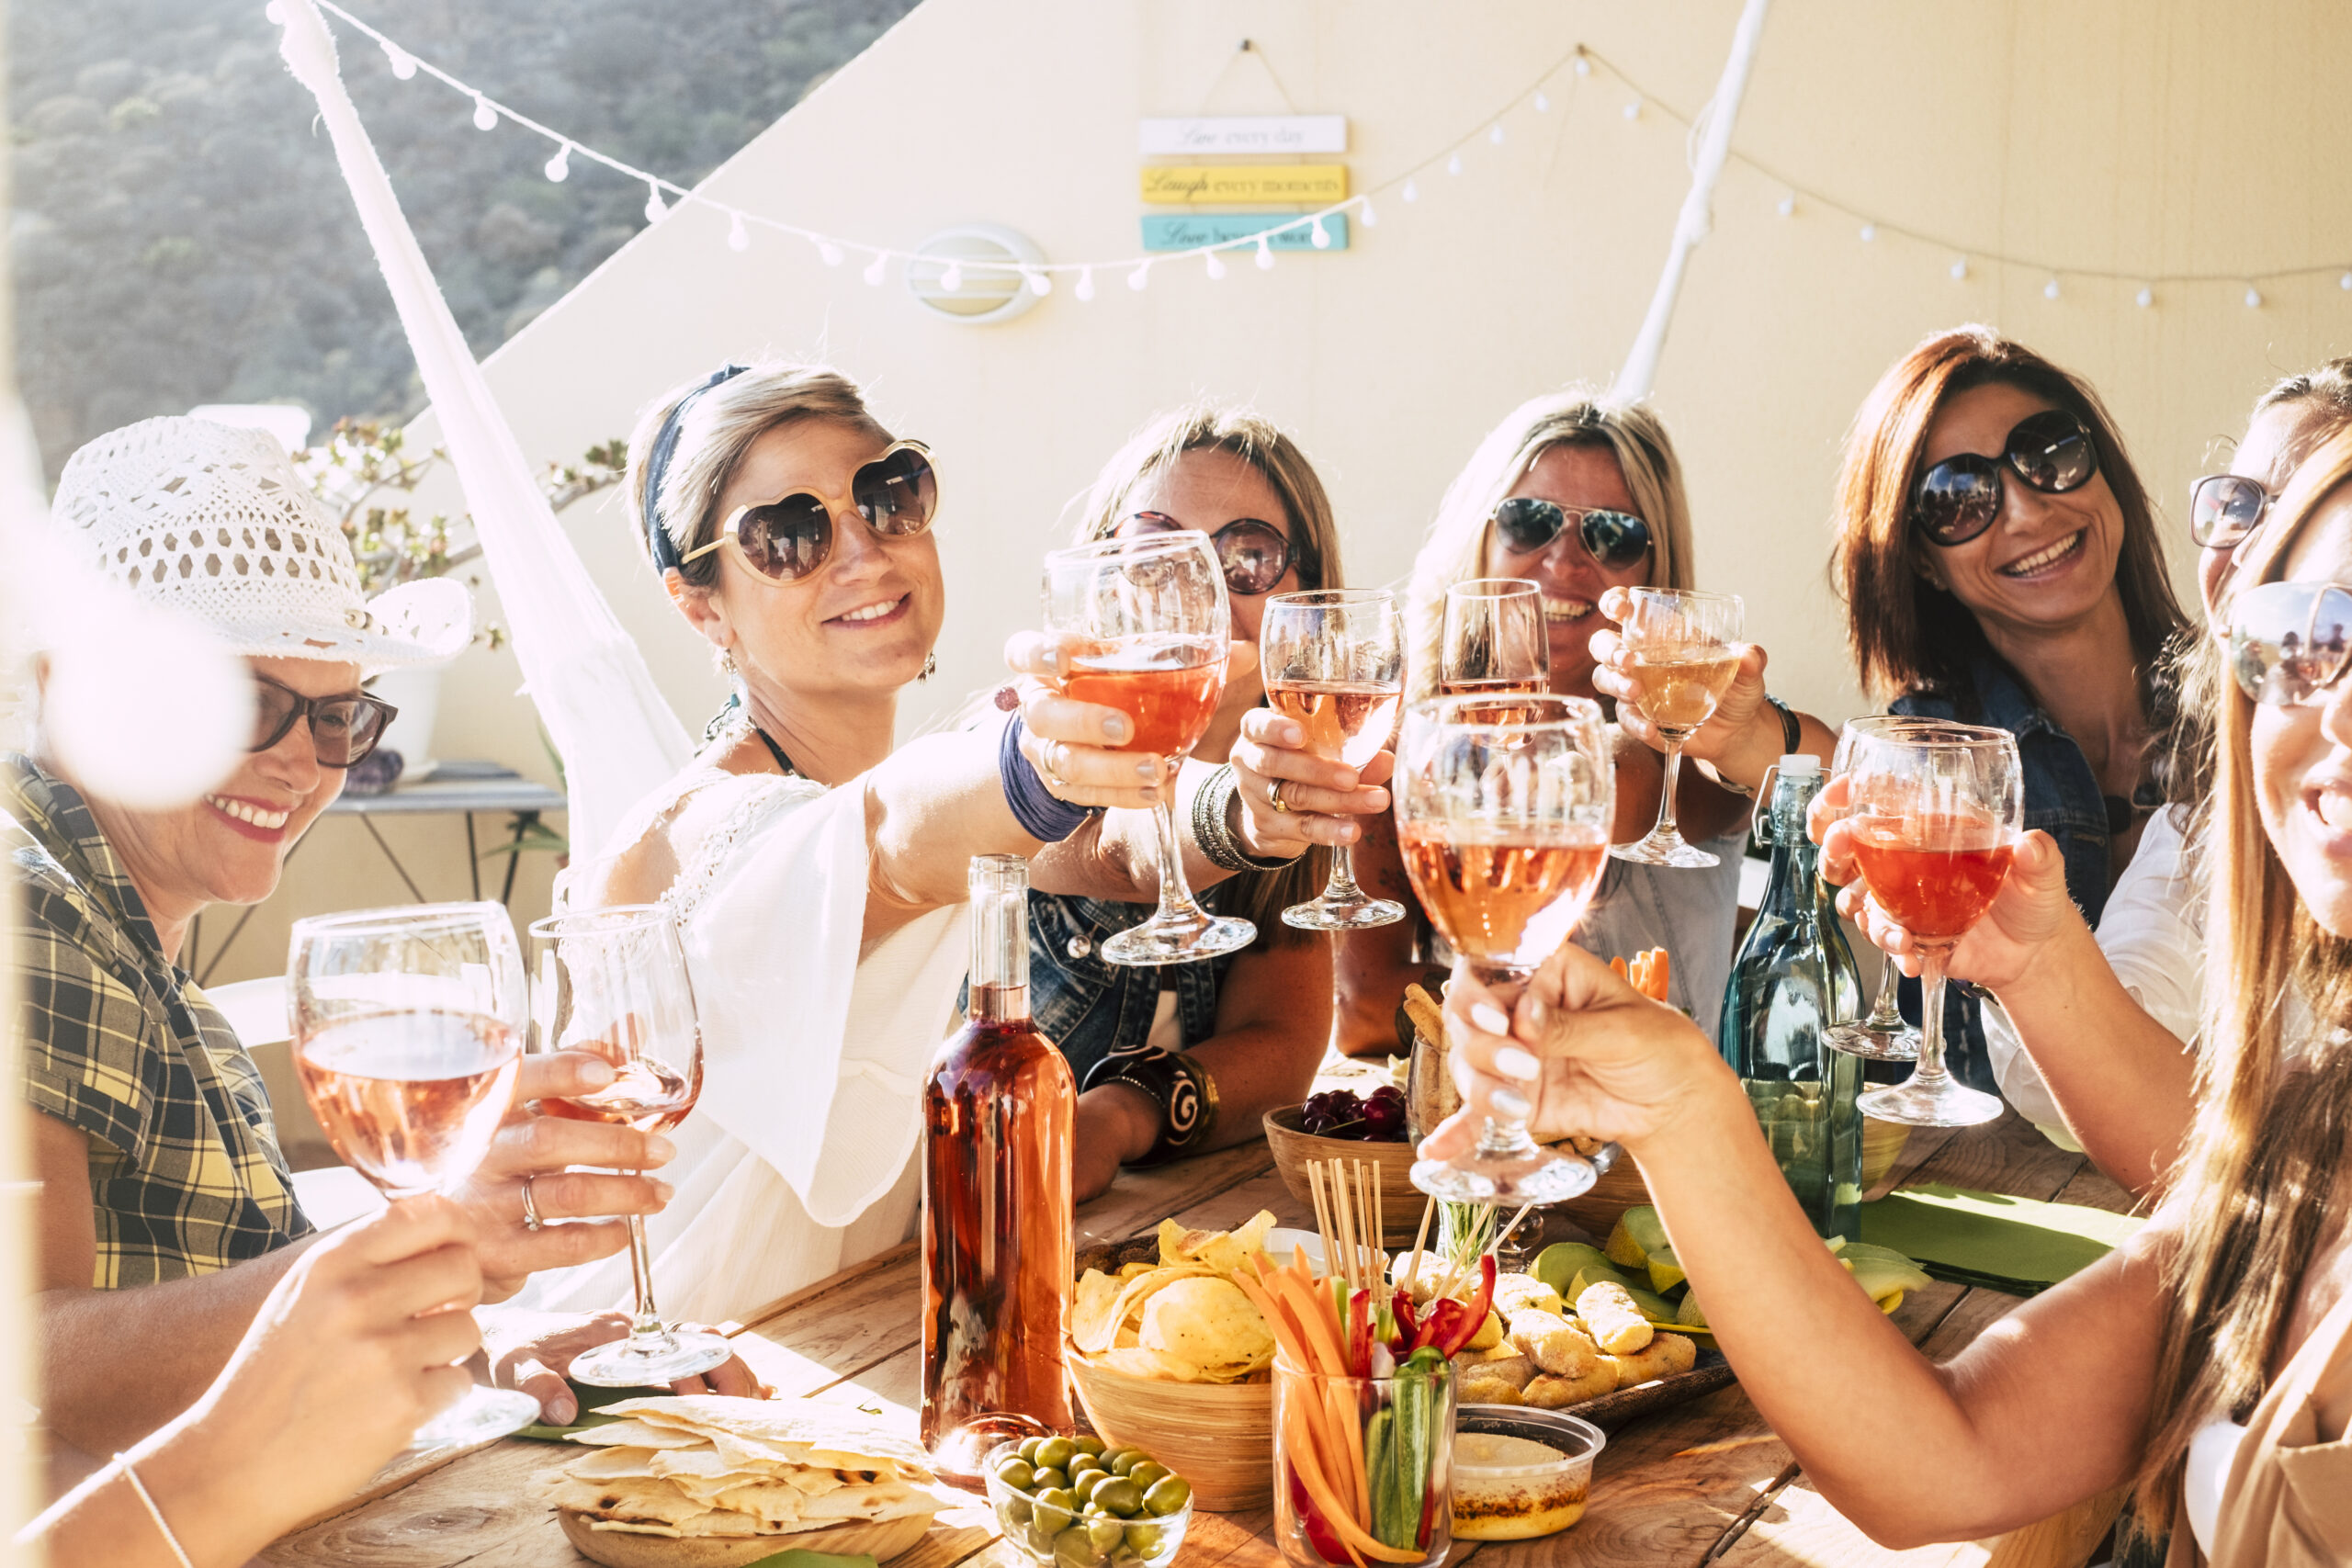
726, 663
930, 665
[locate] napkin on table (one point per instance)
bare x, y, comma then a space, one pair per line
2018, 1245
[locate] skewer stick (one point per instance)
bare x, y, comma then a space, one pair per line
1429, 1207
1322, 1216
1524, 1211
1348, 1237
1371, 1224
1380, 1227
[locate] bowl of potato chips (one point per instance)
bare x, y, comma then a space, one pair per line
1170, 1357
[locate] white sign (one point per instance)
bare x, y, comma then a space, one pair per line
1240, 133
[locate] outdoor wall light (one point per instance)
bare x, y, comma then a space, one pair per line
971, 274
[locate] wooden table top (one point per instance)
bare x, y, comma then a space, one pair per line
1706, 1483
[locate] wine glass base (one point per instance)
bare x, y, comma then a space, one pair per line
1664, 850
1943, 1102
1178, 940
1511, 1180
657, 1359
1344, 914
1898, 1045
485, 1414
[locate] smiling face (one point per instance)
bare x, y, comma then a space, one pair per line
864, 621
2302, 756
229, 846
1573, 477
2048, 561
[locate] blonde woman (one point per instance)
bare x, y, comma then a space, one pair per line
1581, 492
2208, 1360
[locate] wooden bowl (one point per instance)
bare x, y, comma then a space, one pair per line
1621, 1187
1881, 1146
1218, 1436
627, 1549
1400, 1200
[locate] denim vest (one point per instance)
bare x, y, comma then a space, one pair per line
1095, 1010
2061, 798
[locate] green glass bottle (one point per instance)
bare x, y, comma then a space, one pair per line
1793, 977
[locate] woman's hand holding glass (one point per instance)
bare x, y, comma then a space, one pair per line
1072, 744
1321, 797
1740, 738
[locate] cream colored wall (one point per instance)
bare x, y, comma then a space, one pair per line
2186, 136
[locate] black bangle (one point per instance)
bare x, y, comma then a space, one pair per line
1179, 1084
1791, 732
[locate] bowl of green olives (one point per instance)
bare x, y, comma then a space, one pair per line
1079, 1503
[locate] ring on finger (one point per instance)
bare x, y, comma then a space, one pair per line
531, 1221
1274, 796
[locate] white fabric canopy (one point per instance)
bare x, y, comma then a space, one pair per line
618, 739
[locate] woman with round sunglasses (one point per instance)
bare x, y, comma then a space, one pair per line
1581, 493
2001, 564
1242, 1032
2205, 1362
2088, 1031
818, 873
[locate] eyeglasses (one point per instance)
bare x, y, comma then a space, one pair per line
2225, 508
1254, 554
1615, 539
1960, 497
343, 728
787, 539
2289, 641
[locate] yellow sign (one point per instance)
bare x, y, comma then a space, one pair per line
1307, 184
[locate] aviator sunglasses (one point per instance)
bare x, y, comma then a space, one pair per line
787, 539
343, 728
2225, 508
2289, 641
1615, 539
1960, 497
1253, 553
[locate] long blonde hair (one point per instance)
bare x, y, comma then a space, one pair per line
1455, 551
2263, 1157
1258, 896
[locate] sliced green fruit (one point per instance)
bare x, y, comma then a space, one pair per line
1654, 1307
1557, 1264
1638, 1232
1689, 1313
1882, 1278
1888, 1304
1621, 1248
1592, 1274
1665, 1271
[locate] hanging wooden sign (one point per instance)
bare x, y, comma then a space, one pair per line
1313, 185
1199, 134
1191, 230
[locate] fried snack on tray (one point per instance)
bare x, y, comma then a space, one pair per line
1558, 1393
1664, 1356
1609, 1314
1553, 1343
1518, 1293
1182, 1319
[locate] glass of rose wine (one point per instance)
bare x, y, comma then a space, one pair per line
1880, 1036
1334, 662
1492, 642
612, 982
1144, 626
408, 1035
1684, 649
1935, 813
1504, 824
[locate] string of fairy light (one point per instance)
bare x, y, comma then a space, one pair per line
1580, 65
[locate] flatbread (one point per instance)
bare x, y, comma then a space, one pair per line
650, 1502
786, 1429
634, 1435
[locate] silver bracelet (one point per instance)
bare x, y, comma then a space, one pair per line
1212, 830
154, 1512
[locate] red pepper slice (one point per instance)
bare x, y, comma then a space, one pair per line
1475, 1315
1406, 1327
1359, 1334
1318, 1534
1441, 1326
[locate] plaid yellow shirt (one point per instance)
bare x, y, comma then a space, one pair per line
113, 1038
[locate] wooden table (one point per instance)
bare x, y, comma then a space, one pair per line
1707, 1484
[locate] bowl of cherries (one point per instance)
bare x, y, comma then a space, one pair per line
1341, 1124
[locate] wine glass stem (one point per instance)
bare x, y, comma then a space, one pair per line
1175, 896
1666, 827
1340, 887
1932, 963
1500, 1134
647, 1321
1887, 1017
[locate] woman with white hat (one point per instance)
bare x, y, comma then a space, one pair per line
167, 1211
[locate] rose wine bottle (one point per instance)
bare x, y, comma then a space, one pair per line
998, 1115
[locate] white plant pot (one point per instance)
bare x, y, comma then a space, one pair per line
417, 694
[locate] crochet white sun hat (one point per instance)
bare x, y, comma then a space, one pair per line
212, 522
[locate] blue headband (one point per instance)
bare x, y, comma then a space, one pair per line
657, 468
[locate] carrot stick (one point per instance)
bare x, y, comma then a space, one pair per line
1665, 968
1314, 1317
1343, 1524
1285, 1332
1618, 966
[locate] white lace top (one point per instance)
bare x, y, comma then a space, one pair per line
797, 1160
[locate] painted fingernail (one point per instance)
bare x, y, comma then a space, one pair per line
1051, 658
1115, 727
1490, 1018
1510, 1103
1513, 1062
663, 1191
596, 1073
659, 1150
1147, 769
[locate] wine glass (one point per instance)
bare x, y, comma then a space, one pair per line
1883, 1036
1334, 662
613, 983
408, 1035
1682, 647
1504, 825
1492, 642
1936, 814
1145, 628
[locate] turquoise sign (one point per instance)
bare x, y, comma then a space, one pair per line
1191, 230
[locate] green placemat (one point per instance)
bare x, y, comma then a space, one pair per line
590, 1400
2015, 1244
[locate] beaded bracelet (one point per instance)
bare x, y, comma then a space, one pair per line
1212, 825
1179, 1084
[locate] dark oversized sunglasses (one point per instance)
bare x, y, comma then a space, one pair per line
2289, 641
2225, 508
787, 539
1960, 497
343, 728
1615, 539
1253, 553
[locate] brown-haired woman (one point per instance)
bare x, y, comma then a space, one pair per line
2001, 565
2232, 1302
